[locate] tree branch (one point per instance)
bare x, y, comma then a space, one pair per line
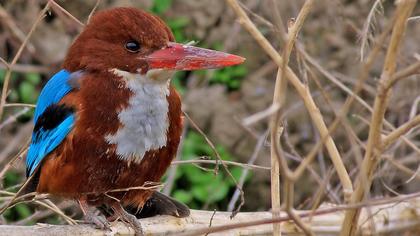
389, 216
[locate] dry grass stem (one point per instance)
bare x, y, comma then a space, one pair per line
56, 6
14, 29
277, 155
13, 160
219, 159
13, 118
261, 115
25, 68
346, 107
399, 132
353, 93
16, 58
303, 92
404, 73
216, 162
244, 174
93, 9
20, 105
369, 24
404, 169
51, 206
44, 214
373, 149
145, 186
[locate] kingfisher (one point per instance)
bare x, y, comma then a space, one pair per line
109, 122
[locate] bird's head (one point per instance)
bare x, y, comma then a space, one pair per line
131, 40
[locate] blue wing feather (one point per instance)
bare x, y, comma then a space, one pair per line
55, 89
45, 140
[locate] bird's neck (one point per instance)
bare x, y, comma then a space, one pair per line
144, 122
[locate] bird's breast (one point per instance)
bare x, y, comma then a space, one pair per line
144, 122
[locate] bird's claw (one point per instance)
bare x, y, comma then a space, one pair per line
91, 217
99, 221
134, 223
129, 219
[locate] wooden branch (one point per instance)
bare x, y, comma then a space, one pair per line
400, 214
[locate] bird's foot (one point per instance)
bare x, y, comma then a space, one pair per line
91, 217
129, 219
134, 223
99, 221
112, 218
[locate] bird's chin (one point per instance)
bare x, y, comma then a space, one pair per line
160, 75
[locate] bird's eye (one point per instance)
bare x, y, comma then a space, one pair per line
132, 46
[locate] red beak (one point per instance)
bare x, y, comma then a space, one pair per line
183, 57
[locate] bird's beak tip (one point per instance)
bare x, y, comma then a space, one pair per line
184, 57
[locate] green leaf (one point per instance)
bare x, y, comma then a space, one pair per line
178, 23
178, 175
217, 46
200, 192
33, 78
23, 211
231, 77
183, 196
179, 36
27, 92
204, 186
234, 84
11, 178
13, 76
218, 191
8, 214
203, 177
240, 70
236, 172
195, 145
224, 154
213, 191
2, 74
54, 220
197, 176
161, 6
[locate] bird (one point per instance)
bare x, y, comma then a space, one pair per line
109, 123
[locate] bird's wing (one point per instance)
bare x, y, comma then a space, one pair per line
52, 121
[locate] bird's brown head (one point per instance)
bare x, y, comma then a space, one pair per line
134, 41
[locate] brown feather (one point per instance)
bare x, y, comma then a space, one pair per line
85, 163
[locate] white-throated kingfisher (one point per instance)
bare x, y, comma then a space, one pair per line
110, 118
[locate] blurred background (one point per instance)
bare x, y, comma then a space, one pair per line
335, 39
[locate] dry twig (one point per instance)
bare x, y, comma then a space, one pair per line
373, 150
16, 58
303, 92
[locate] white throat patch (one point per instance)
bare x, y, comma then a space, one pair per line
145, 120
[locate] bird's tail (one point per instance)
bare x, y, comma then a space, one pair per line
160, 204
157, 204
